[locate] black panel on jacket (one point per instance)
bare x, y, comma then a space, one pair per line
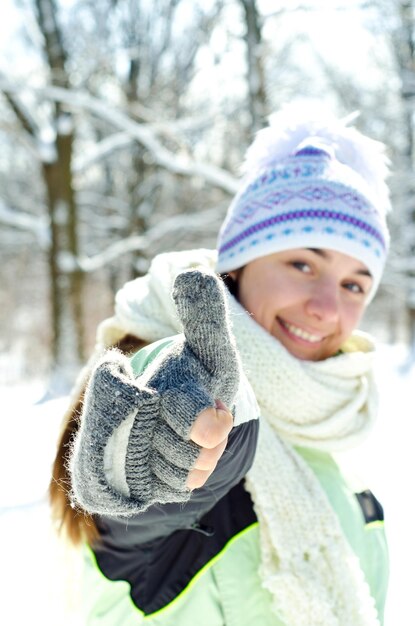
371, 507
159, 570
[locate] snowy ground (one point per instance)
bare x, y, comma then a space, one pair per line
40, 577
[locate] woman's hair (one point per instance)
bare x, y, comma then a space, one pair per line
231, 284
75, 524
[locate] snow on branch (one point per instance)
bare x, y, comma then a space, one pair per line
403, 264
22, 113
143, 133
171, 128
178, 223
24, 221
102, 150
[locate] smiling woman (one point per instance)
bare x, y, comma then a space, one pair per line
311, 300
200, 479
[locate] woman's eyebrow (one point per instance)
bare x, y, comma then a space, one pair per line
319, 251
363, 272
323, 253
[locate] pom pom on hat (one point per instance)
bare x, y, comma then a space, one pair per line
309, 180
288, 130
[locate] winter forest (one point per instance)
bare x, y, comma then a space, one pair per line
123, 125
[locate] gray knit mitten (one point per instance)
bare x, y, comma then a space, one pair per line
147, 420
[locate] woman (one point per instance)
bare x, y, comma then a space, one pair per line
183, 525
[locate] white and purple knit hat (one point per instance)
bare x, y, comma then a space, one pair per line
310, 182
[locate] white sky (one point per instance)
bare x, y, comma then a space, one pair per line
9, 22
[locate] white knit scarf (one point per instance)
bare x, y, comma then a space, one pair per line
307, 564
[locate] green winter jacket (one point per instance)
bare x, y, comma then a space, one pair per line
197, 564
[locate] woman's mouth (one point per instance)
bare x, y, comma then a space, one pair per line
300, 333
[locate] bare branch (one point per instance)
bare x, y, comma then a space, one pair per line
22, 114
144, 134
24, 221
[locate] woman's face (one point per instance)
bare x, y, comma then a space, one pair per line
309, 299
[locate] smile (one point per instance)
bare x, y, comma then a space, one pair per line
300, 333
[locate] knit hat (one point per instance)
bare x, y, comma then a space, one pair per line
310, 182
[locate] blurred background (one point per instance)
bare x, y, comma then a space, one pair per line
122, 125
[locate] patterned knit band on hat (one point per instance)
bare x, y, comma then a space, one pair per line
309, 183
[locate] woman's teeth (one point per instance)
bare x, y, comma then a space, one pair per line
303, 334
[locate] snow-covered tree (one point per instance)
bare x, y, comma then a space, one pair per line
107, 123
124, 137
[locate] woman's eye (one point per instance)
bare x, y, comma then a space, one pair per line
303, 267
354, 287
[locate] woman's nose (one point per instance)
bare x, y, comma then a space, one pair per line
323, 302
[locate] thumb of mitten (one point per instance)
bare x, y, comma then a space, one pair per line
201, 305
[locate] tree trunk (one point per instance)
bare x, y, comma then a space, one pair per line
256, 81
66, 282
405, 53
